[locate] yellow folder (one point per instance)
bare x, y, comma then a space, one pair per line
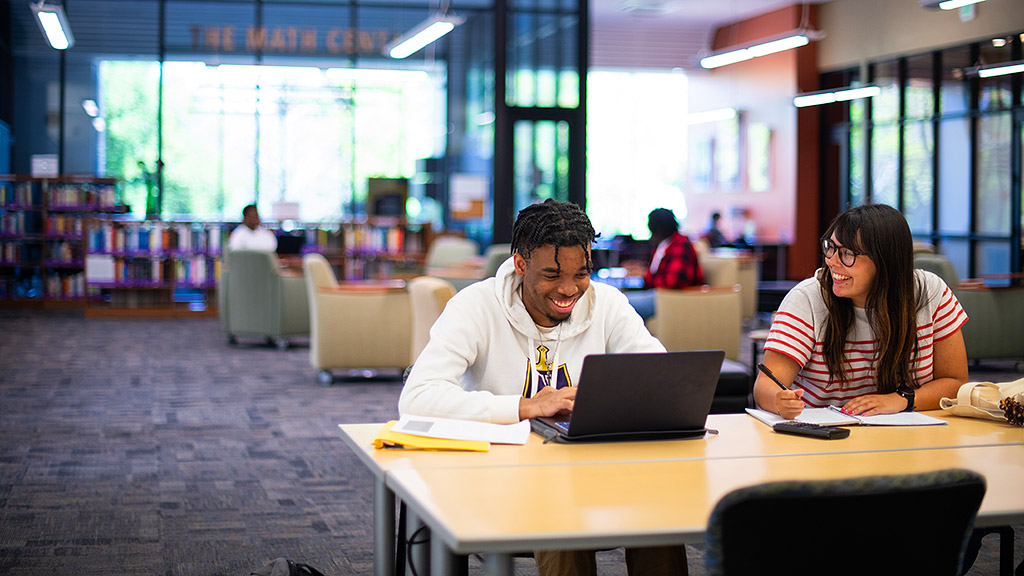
388, 439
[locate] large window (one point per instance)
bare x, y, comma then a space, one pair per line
938, 144
636, 149
233, 134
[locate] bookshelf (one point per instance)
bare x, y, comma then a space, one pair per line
42, 240
383, 248
65, 241
153, 265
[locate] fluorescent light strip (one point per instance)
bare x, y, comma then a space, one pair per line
954, 4
830, 96
429, 31
778, 46
770, 45
1009, 68
50, 21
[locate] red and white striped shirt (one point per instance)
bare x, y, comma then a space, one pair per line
798, 331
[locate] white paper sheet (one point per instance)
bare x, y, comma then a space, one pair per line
464, 429
833, 417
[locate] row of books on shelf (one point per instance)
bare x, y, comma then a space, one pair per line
54, 286
111, 237
59, 195
20, 223
85, 196
63, 225
108, 270
376, 239
59, 252
20, 194
64, 252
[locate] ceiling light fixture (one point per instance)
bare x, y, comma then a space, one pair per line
1001, 69
835, 95
770, 45
54, 24
422, 35
948, 4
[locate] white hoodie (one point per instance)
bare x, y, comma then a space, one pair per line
483, 349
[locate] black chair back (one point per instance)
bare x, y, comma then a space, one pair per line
905, 524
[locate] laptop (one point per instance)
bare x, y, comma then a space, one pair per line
639, 396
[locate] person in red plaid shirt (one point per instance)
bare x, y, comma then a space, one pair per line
674, 263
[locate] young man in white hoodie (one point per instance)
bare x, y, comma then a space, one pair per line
511, 347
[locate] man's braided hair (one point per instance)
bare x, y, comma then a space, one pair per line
552, 222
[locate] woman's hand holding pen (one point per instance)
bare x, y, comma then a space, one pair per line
787, 403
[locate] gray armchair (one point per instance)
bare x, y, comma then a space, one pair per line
995, 329
256, 299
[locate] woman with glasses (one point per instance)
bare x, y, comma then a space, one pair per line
867, 332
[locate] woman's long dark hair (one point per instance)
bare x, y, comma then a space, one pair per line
880, 232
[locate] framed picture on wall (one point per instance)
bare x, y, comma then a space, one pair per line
727, 154
759, 157
702, 163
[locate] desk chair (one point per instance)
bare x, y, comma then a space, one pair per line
707, 318
903, 524
446, 251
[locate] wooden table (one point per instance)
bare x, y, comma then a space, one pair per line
651, 493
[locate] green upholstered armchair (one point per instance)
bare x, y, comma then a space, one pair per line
994, 330
256, 299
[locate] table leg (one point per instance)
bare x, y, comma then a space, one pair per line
443, 562
498, 565
417, 534
383, 529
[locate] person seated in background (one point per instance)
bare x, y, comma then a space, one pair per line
511, 348
249, 235
714, 234
748, 231
674, 263
867, 332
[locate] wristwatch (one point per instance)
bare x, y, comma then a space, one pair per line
908, 393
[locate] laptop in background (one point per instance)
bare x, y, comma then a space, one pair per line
639, 396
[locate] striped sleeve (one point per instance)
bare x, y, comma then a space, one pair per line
947, 314
792, 331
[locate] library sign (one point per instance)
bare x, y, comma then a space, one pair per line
289, 40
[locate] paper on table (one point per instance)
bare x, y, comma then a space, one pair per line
831, 416
464, 429
822, 416
900, 419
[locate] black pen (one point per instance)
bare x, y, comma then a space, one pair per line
769, 374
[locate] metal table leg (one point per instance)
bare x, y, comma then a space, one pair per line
383, 529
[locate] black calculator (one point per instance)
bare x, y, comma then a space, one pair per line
812, 430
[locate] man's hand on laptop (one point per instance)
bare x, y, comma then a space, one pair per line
547, 402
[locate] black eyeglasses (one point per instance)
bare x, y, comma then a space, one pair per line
847, 256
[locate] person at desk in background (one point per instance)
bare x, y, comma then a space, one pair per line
510, 348
674, 263
867, 332
249, 236
714, 234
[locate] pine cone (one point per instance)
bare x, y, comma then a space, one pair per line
1013, 410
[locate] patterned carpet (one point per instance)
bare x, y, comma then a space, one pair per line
154, 447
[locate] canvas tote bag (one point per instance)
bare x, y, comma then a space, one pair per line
981, 399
